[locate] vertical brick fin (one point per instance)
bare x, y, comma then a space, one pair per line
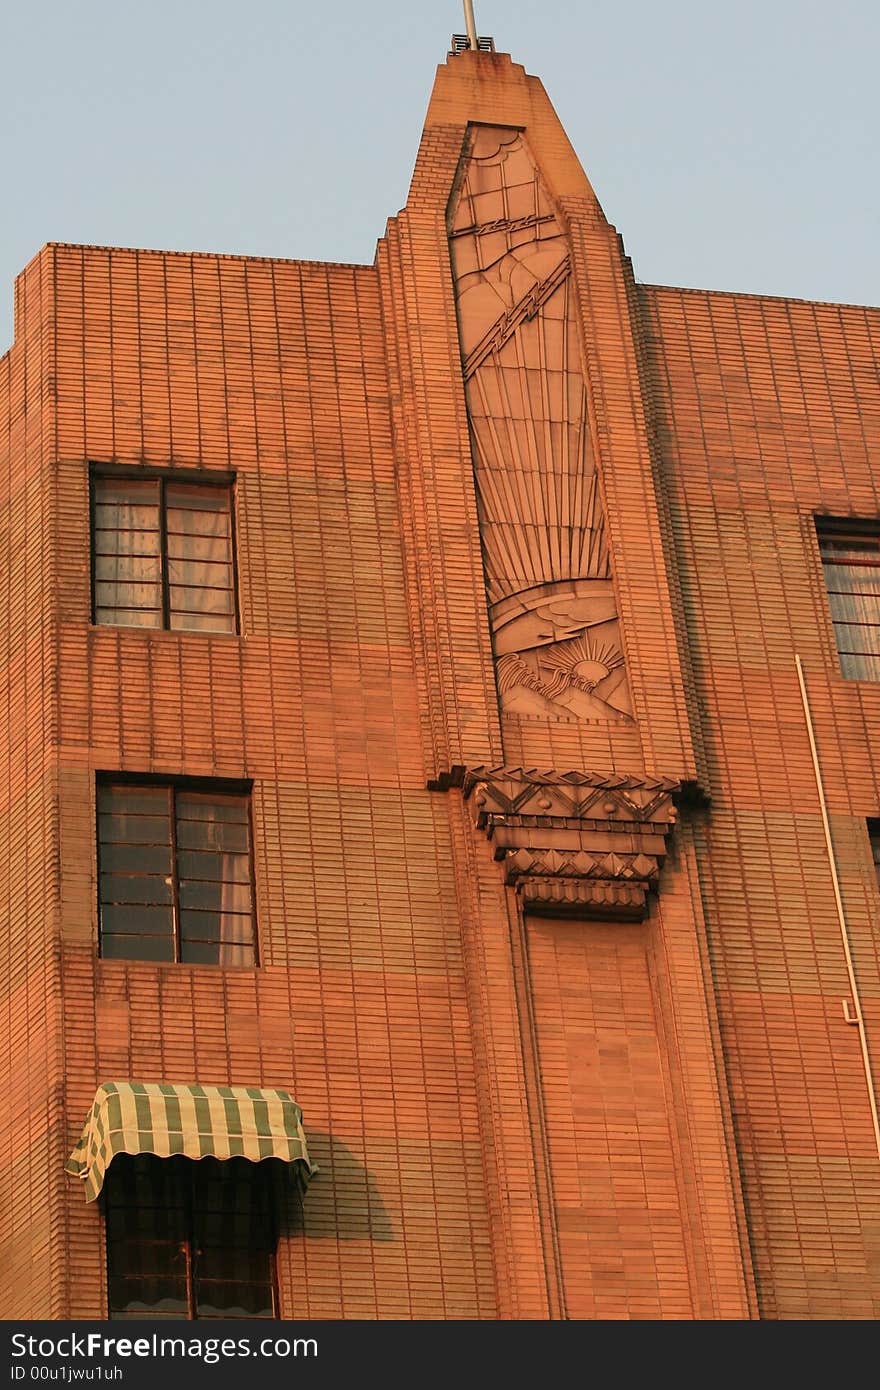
518, 1180
610, 1122
423, 601
632, 507
439, 515
34, 1266
653, 412
646, 1227
563, 486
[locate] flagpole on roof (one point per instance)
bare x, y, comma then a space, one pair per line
470, 24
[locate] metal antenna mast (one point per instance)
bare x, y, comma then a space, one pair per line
470, 24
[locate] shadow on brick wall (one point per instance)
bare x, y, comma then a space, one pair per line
342, 1201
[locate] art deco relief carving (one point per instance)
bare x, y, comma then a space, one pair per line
552, 611
572, 844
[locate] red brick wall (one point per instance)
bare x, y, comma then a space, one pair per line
766, 412
275, 371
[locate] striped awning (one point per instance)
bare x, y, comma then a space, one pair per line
197, 1121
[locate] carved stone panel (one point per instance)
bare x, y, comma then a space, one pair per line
552, 610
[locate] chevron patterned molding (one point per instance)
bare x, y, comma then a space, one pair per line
572, 844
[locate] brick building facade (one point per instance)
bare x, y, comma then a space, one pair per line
547, 944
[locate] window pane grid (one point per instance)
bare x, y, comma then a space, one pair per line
175, 885
209, 1254
851, 565
163, 555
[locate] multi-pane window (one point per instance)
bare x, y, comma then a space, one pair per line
190, 1239
162, 554
851, 561
174, 868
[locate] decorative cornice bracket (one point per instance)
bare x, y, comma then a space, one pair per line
573, 844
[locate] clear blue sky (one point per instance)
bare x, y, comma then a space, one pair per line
734, 146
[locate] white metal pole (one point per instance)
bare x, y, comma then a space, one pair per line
471, 24
857, 1016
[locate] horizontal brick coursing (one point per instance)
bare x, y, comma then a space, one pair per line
277, 372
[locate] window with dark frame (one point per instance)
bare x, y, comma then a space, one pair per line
874, 837
190, 1239
850, 552
175, 874
162, 554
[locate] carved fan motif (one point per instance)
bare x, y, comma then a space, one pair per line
541, 523
586, 662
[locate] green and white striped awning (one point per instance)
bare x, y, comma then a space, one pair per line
196, 1121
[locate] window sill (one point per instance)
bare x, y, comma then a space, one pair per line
112, 962
167, 632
